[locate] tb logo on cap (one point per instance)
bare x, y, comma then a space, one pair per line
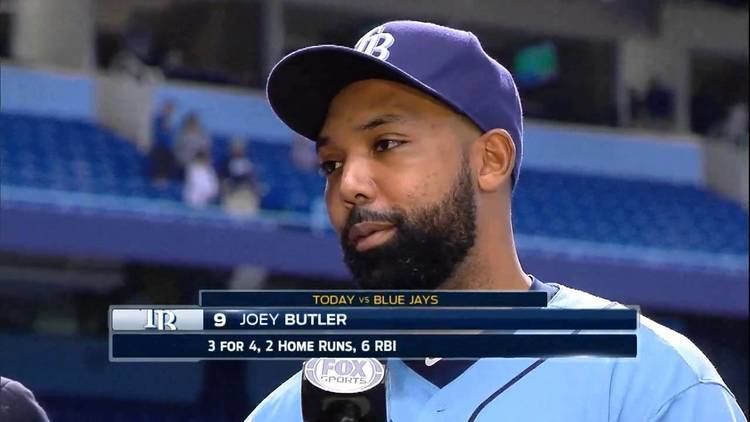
376, 43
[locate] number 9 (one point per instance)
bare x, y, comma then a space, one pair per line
220, 320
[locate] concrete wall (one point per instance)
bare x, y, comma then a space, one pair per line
125, 105
580, 18
54, 33
705, 27
225, 111
113, 15
683, 29
615, 153
642, 58
726, 168
41, 91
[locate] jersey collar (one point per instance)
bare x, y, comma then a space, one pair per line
442, 372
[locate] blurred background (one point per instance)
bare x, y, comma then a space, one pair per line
139, 163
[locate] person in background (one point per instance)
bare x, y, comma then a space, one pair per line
191, 140
240, 189
128, 63
635, 104
735, 125
659, 102
201, 181
173, 60
18, 404
163, 166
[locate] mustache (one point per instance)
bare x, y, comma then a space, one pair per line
363, 215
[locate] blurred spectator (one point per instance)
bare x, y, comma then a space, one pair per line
201, 182
125, 61
659, 104
705, 113
303, 153
240, 190
162, 159
735, 125
173, 62
191, 141
128, 63
635, 102
17, 403
162, 126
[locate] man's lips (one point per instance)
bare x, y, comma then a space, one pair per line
368, 235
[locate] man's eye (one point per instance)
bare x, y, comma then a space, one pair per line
386, 144
328, 167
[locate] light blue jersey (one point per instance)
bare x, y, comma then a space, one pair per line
670, 381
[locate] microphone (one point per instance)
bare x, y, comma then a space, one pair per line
343, 390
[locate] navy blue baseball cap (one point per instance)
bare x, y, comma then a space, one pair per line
443, 62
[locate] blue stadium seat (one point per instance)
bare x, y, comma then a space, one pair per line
50, 153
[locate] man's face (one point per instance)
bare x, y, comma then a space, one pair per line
400, 190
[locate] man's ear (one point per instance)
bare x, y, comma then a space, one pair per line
498, 154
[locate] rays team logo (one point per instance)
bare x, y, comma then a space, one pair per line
376, 43
344, 376
160, 319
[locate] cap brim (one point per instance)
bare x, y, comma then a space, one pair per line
302, 85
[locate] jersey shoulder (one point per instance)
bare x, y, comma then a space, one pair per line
283, 404
657, 344
668, 363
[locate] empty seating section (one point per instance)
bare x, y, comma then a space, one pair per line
47, 153
632, 213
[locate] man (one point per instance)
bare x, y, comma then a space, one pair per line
17, 403
201, 182
163, 166
240, 190
420, 135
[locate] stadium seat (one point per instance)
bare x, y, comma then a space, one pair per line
49, 153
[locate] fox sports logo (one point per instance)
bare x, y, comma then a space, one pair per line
344, 376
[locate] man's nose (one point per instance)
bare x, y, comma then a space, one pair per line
357, 184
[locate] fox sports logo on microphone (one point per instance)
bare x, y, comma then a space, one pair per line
344, 376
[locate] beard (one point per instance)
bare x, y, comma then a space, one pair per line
428, 244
